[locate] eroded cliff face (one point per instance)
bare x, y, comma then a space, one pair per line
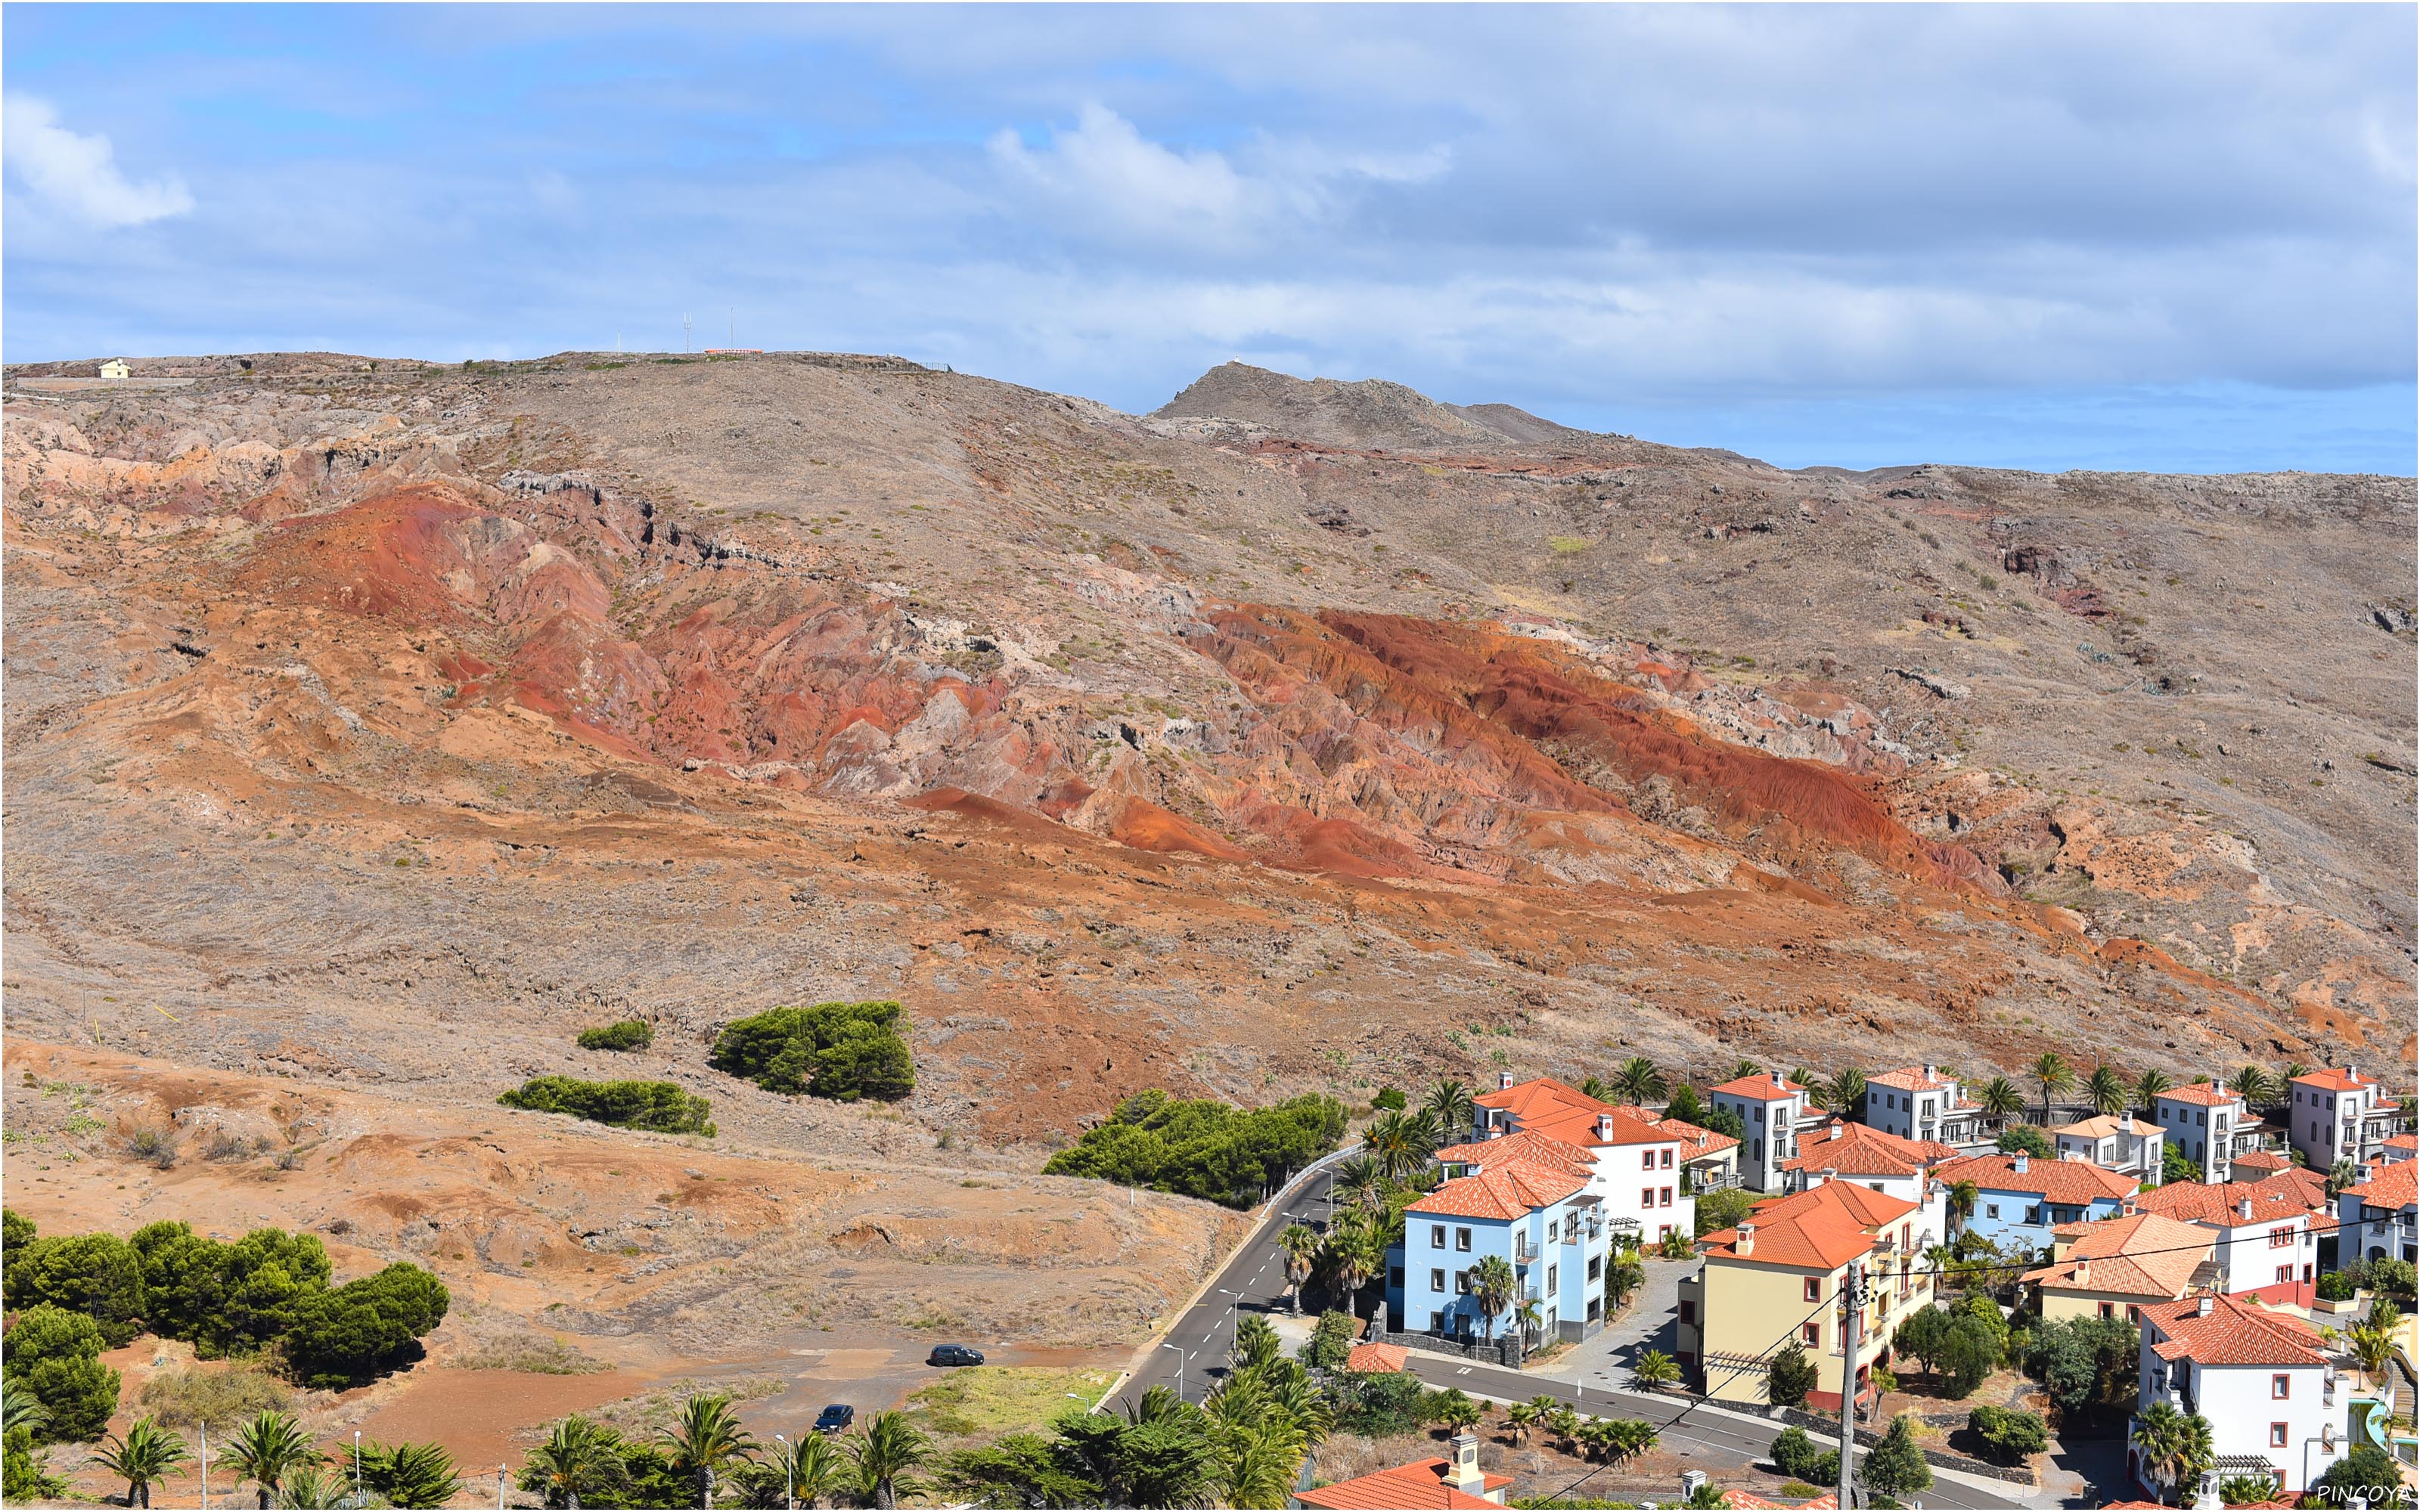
367, 714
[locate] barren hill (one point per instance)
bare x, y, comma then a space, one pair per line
372, 727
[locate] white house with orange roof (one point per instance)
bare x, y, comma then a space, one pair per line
1922, 1102
2117, 1142
2119, 1266
1770, 1107
1637, 1165
2398, 1148
1525, 1198
2262, 1379
2208, 1124
2380, 1218
1879, 1162
2265, 1235
2339, 1113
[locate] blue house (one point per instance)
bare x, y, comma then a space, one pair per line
2021, 1198
1541, 1219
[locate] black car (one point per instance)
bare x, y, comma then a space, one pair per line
835, 1418
954, 1354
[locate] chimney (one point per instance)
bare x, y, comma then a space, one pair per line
1504, 1081
1494, 1131
1831, 1173
1747, 1241
2205, 1305
1605, 1128
1929, 1069
2023, 1163
1462, 1474
1780, 1080
1691, 1481
2084, 1273
2243, 1209
2128, 1207
2206, 1498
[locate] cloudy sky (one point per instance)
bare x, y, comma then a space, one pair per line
2166, 237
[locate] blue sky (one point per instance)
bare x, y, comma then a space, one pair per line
2166, 237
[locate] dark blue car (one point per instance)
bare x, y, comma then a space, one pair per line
835, 1418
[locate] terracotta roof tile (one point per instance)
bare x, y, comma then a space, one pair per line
2078, 1181
1853, 1150
1523, 1146
1695, 1143
2142, 1255
1761, 1088
2232, 1333
2262, 1160
1512, 1190
1377, 1359
2222, 1206
1822, 1228
1419, 1484
2105, 1125
1910, 1079
2408, 1143
2333, 1080
2200, 1096
1546, 1107
2391, 1186
1749, 1501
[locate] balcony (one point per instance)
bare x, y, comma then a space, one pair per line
1721, 1179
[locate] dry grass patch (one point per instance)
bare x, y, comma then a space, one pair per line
215, 1393
990, 1401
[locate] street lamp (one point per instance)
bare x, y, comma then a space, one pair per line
789, 1476
1181, 1358
504, 1473
1235, 1300
356, 1469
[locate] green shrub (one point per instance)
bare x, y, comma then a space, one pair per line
227, 1298
2175, 1167
1378, 1406
2025, 1137
2007, 1434
99, 1275
844, 1051
1390, 1100
2337, 1286
2393, 1278
1791, 1376
1204, 1148
345, 1336
54, 1355
630, 1034
1331, 1341
1796, 1455
1728, 1208
661, 1106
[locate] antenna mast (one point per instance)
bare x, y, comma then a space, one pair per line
685, 323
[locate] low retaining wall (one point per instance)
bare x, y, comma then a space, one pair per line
1507, 1351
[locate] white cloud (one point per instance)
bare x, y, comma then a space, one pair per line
77, 174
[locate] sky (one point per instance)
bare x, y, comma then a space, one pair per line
2166, 237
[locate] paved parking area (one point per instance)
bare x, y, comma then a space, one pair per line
1651, 1321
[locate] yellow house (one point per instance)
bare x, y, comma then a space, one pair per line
2118, 1266
116, 368
1782, 1273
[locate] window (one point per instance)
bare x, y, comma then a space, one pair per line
1647, 1196
2281, 1387
1436, 1236
1462, 1282
2284, 1273
2133, 1314
1813, 1335
2281, 1238
1689, 1313
1876, 1185
1666, 1199
1437, 1323
2108, 1309
1462, 1239
2276, 1435
1551, 1287
1991, 1210
1814, 1290
1395, 1276
2033, 1213
1647, 1160
1667, 1160
1436, 1279
1760, 1112
1597, 1267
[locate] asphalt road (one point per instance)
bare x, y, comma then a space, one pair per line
1254, 1281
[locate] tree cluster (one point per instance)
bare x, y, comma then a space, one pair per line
630, 1034
2084, 1363
1204, 1148
267, 1290
1958, 1344
661, 1106
843, 1050
2007, 1434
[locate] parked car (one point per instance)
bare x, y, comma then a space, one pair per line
954, 1354
835, 1418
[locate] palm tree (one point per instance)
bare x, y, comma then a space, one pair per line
1259, 1463
1520, 1417
1493, 1287
1655, 1368
1529, 1316
885, 1453
1745, 1067
1449, 1103
2174, 1446
1599, 1089
313, 1487
2000, 1098
1360, 1182
20, 1409
2253, 1086
579, 1458
811, 1467
147, 1453
1639, 1080
1845, 1094
2147, 1087
704, 1437
1456, 1411
1566, 1425
2051, 1073
2107, 1089
410, 1474
1354, 1256
1390, 1142
1300, 1242
2371, 1348
2344, 1173
267, 1450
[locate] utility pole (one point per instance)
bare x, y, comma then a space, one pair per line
1853, 1290
205, 1466
685, 342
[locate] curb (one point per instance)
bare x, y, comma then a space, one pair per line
1115, 1386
